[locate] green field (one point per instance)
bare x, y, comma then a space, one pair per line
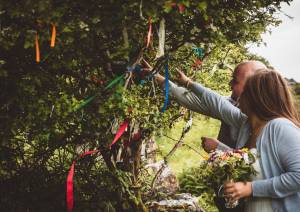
184, 157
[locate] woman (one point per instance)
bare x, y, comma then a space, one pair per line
268, 121
268, 103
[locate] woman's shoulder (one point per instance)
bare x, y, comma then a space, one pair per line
281, 122
282, 127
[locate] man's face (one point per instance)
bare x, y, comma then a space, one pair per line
237, 83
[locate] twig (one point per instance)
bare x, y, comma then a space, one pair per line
179, 142
192, 148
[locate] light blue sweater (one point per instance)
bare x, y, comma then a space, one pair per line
278, 145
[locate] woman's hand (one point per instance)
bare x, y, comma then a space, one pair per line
237, 190
182, 79
146, 66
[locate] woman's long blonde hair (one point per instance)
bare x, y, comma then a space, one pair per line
267, 95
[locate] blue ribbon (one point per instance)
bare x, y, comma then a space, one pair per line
166, 87
198, 51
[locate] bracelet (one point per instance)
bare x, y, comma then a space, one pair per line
187, 83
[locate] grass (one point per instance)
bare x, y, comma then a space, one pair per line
185, 157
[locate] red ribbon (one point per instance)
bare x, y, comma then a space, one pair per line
173, 4
97, 81
181, 8
149, 32
120, 132
197, 63
70, 193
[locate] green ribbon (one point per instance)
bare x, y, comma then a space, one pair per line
85, 102
91, 98
113, 82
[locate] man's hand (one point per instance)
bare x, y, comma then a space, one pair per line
238, 190
181, 78
209, 144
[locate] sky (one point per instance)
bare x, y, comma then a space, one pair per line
283, 44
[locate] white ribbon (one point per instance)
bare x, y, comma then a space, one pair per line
161, 38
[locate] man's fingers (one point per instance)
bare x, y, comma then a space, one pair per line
229, 190
229, 185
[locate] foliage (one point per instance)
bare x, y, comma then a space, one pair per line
221, 166
193, 181
42, 133
296, 88
206, 179
206, 200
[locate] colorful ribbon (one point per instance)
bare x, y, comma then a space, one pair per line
85, 102
120, 132
199, 52
161, 38
166, 87
149, 32
181, 8
91, 98
70, 193
113, 82
37, 49
197, 63
53, 36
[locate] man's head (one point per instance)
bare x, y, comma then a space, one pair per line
267, 96
241, 73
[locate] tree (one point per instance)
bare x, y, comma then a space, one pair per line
44, 124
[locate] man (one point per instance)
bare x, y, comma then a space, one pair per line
227, 134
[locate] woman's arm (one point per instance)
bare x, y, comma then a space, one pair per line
280, 155
285, 146
201, 99
188, 99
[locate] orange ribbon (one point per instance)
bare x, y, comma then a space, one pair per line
53, 36
37, 49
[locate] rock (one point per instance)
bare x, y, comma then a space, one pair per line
166, 182
178, 202
150, 151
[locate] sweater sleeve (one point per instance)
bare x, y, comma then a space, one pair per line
188, 99
285, 146
218, 106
